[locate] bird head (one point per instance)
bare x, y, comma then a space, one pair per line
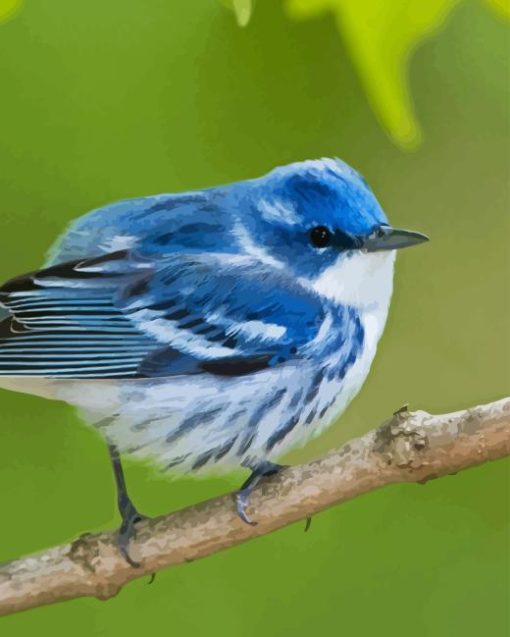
321, 222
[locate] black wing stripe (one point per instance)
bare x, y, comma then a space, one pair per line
77, 350
67, 339
70, 319
63, 305
105, 329
71, 312
74, 375
36, 369
22, 358
70, 270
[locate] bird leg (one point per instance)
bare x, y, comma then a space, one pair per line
128, 512
259, 472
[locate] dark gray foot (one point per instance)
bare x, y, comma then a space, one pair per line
259, 472
127, 532
128, 512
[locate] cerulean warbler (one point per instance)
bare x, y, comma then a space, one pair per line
209, 329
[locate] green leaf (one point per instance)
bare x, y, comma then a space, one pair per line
501, 6
380, 36
8, 8
243, 10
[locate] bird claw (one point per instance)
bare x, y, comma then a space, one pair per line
127, 532
241, 502
260, 471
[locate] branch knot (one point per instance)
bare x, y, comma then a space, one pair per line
401, 440
83, 552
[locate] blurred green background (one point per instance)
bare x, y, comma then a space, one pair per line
106, 100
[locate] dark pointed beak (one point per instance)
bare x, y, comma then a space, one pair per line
388, 238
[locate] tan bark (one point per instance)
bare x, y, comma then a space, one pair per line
410, 447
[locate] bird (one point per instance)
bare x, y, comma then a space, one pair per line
213, 329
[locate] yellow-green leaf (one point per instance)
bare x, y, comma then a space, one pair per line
8, 8
501, 6
380, 36
243, 10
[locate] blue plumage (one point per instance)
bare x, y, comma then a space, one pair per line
185, 272
211, 328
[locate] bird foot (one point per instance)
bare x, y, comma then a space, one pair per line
259, 472
241, 502
127, 532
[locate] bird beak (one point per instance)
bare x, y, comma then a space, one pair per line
388, 238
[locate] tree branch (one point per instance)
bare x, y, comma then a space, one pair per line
410, 447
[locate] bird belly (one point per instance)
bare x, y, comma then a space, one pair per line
201, 423
208, 423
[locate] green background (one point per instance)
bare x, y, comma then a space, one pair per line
106, 100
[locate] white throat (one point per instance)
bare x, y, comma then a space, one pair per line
364, 281
361, 280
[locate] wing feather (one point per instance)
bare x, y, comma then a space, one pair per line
223, 307
64, 324
121, 315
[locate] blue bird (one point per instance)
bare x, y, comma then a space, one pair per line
210, 329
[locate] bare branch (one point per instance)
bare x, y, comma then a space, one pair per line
410, 447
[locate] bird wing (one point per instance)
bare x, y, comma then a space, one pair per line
62, 321
120, 315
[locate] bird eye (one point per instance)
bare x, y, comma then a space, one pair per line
320, 236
